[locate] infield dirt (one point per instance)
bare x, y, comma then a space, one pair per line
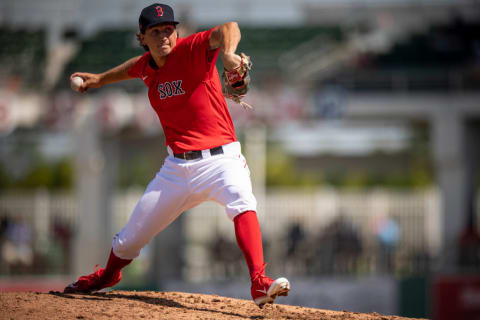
156, 305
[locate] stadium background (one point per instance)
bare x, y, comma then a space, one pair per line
363, 148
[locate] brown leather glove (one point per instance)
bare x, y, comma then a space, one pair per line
237, 81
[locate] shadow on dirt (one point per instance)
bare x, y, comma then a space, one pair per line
106, 296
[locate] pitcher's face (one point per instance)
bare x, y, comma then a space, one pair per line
160, 39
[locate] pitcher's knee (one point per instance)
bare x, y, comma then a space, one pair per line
125, 249
240, 205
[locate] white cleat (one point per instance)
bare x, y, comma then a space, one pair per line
279, 287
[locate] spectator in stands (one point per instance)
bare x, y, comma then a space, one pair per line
295, 236
388, 235
341, 247
4, 222
17, 249
226, 259
62, 234
297, 249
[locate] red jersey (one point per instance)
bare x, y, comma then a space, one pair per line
186, 94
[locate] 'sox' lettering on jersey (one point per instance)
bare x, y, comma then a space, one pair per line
169, 89
177, 85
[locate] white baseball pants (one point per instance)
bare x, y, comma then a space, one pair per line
182, 184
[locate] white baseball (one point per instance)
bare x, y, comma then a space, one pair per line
76, 83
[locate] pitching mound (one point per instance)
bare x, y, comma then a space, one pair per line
155, 305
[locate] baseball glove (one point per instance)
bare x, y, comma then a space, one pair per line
237, 81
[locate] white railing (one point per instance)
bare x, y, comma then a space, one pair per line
319, 214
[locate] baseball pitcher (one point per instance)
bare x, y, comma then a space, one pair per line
204, 159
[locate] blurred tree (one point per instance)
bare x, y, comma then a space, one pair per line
281, 171
415, 172
41, 175
22, 57
356, 179
50, 175
4, 178
63, 174
23, 166
137, 171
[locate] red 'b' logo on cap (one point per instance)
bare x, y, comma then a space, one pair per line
159, 11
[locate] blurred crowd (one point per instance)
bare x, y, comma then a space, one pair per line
339, 248
20, 254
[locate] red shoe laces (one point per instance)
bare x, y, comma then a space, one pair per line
95, 274
260, 274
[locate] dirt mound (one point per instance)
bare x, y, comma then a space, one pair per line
155, 305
